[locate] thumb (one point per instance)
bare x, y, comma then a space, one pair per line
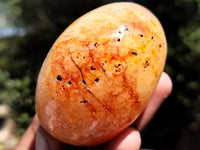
128, 140
45, 142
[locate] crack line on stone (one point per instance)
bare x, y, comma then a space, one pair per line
88, 89
92, 56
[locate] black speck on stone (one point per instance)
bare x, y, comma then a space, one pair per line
95, 44
134, 53
59, 78
92, 68
96, 80
84, 82
84, 101
126, 29
141, 35
69, 83
103, 70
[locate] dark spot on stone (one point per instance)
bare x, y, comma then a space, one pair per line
119, 65
84, 101
92, 68
103, 70
104, 62
118, 40
69, 83
141, 35
96, 44
146, 64
160, 45
117, 68
84, 82
96, 80
134, 53
152, 38
59, 78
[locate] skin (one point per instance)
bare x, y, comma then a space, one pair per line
36, 138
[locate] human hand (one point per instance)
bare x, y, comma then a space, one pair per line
36, 138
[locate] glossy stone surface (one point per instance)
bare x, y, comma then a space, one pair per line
100, 74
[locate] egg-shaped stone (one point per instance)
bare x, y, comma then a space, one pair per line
100, 73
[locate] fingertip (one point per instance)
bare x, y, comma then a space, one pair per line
162, 91
165, 85
129, 139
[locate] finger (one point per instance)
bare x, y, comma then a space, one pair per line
45, 142
27, 142
162, 91
128, 140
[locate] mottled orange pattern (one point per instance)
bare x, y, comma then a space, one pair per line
100, 74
